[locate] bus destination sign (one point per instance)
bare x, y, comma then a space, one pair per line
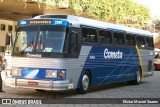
40, 22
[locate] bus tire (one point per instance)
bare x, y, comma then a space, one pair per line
84, 83
138, 78
39, 90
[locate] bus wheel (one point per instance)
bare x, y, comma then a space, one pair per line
84, 85
39, 90
137, 78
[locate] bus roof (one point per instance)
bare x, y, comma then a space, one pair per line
78, 21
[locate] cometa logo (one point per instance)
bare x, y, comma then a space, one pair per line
112, 55
33, 55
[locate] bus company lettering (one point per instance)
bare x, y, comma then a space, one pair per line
112, 55
34, 55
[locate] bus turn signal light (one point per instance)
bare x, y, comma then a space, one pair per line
61, 74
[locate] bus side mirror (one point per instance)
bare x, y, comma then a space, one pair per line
8, 39
2, 49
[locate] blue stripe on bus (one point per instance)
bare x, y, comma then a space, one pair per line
111, 70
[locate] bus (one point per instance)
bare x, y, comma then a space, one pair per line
63, 52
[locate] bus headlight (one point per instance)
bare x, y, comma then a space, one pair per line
62, 74
51, 73
16, 72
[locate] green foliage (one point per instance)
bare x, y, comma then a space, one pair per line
124, 12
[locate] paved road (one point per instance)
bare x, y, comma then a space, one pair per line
149, 88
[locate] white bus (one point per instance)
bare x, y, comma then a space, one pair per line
61, 52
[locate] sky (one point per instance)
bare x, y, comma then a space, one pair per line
153, 5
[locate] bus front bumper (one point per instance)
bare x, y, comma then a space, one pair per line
38, 84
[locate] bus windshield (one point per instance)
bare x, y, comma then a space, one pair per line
44, 38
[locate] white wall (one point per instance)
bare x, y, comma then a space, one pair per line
155, 36
3, 32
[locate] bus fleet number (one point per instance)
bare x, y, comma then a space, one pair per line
58, 22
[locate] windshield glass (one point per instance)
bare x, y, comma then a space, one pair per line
46, 38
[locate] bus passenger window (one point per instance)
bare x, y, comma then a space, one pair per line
108, 40
143, 42
108, 37
92, 38
118, 38
87, 38
115, 39
130, 40
101, 37
121, 39
140, 41
133, 43
147, 41
93, 35
151, 42
85, 34
89, 34
73, 48
105, 37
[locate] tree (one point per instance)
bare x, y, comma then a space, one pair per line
155, 26
124, 12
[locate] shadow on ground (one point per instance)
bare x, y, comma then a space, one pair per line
29, 93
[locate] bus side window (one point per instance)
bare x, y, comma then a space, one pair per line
108, 37
85, 34
118, 38
143, 42
73, 43
130, 39
115, 38
101, 37
151, 42
147, 41
93, 35
89, 34
133, 42
140, 41
121, 39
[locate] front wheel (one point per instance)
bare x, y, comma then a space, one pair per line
84, 85
137, 78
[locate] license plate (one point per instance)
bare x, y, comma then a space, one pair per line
32, 83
